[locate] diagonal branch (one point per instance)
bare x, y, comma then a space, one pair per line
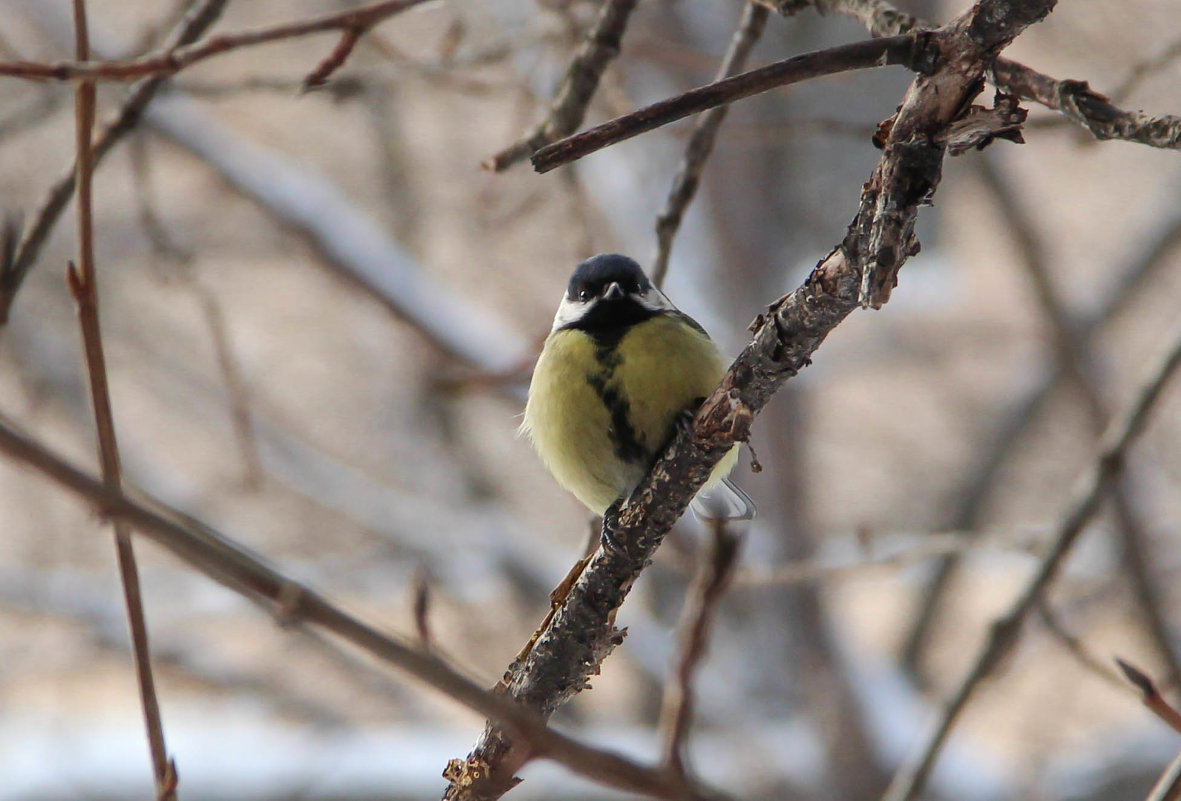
294, 604
581, 633
909, 51
1145, 265
1006, 629
172, 61
13, 271
568, 108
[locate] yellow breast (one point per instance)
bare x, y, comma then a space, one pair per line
598, 416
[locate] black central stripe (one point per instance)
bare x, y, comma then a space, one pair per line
623, 436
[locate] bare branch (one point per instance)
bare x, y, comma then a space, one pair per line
83, 285
1073, 99
1077, 102
1145, 264
577, 88
676, 714
701, 141
582, 633
907, 51
13, 272
1006, 629
245, 573
171, 61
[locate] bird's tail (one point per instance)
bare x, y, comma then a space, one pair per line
723, 501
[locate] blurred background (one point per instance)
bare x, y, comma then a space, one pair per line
320, 314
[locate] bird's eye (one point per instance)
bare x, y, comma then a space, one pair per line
584, 295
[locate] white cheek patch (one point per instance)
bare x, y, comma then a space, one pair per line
570, 311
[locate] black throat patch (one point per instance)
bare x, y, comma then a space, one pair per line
608, 320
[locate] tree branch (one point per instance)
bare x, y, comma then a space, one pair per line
908, 51
578, 87
1006, 629
701, 141
294, 604
170, 62
83, 282
13, 270
581, 632
1073, 99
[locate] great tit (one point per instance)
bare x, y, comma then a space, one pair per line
619, 369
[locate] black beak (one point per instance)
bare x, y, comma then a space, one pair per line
613, 290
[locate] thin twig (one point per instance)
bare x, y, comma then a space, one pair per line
1074, 363
1006, 629
1150, 695
676, 714
164, 247
83, 285
1074, 360
12, 274
701, 141
1075, 646
421, 590
1168, 787
245, 573
169, 62
1145, 263
569, 106
898, 50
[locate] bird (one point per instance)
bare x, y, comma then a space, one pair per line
622, 367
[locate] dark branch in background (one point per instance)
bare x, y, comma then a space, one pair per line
1005, 630
676, 714
83, 282
1075, 362
701, 141
242, 571
581, 632
171, 61
969, 507
1075, 645
13, 271
577, 88
1073, 99
908, 51
1150, 695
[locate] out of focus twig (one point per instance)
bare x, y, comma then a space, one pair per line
171, 61
569, 106
1168, 787
701, 141
12, 273
1006, 629
1073, 644
676, 714
1150, 695
1144, 265
243, 572
83, 282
